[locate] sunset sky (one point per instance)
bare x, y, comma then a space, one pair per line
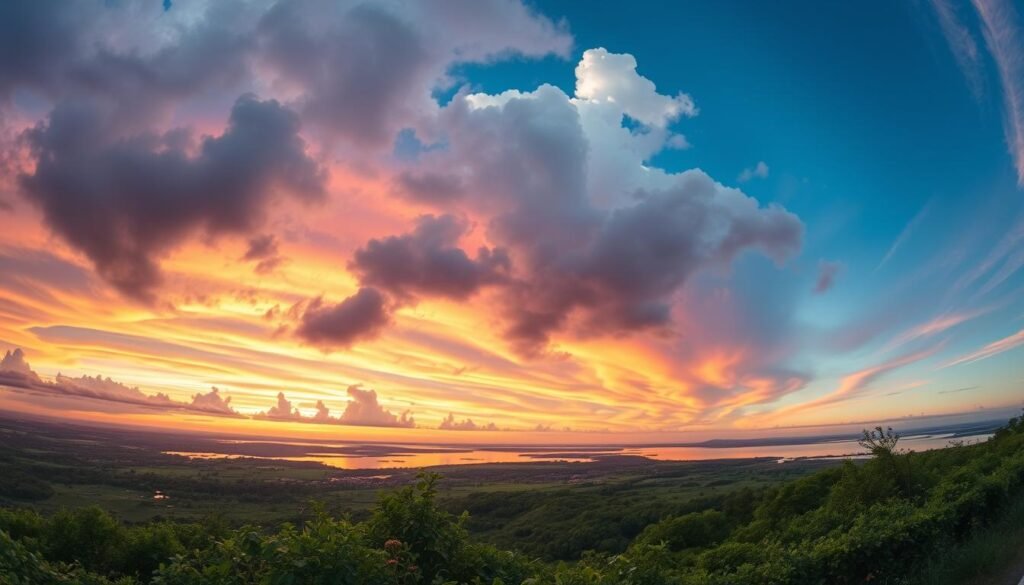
382, 219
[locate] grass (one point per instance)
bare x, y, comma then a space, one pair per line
993, 556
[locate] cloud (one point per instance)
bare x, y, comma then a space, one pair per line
854, 383
16, 372
361, 410
905, 234
212, 402
1001, 27
107, 389
958, 390
283, 410
991, 350
135, 59
126, 202
827, 273
962, 44
14, 362
353, 71
263, 250
609, 77
28, 54
548, 211
587, 254
758, 171
367, 71
323, 414
934, 326
428, 262
364, 410
429, 187
450, 424
359, 317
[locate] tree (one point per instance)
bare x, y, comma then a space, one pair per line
880, 442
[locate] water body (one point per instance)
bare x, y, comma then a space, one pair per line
378, 456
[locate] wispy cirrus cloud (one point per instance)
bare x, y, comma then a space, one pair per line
905, 234
962, 43
1000, 26
992, 349
855, 383
1002, 29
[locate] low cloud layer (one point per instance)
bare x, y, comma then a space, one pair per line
17, 373
362, 409
450, 424
14, 363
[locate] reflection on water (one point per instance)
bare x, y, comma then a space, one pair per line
827, 449
407, 459
405, 456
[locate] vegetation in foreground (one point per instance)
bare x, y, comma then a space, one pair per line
889, 520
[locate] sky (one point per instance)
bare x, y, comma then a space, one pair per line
506, 220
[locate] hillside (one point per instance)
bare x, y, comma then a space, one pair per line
936, 517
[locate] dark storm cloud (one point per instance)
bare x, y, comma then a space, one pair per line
427, 262
360, 316
125, 202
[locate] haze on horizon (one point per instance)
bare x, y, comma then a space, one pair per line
379, 220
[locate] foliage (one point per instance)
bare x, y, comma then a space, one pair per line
882, 521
